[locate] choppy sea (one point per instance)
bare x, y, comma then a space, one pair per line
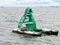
44, 17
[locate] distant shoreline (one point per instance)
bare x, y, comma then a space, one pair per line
35, 6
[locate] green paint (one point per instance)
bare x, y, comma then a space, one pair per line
28, 19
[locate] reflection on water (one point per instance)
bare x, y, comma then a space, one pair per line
45, 17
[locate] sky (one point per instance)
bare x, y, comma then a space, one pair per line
30, 3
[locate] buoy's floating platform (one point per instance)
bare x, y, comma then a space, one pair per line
27, 32
36, 33
49, 31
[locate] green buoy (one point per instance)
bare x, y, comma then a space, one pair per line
30, 24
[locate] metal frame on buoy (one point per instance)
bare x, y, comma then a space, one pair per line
28, 19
